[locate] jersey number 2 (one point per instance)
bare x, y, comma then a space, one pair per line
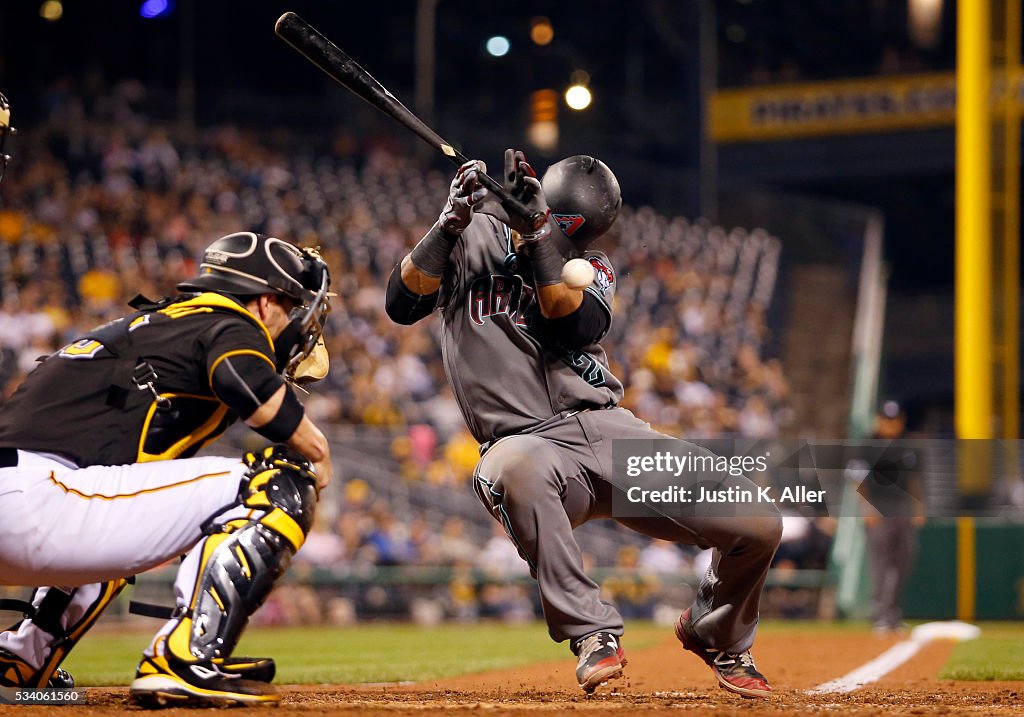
585, 365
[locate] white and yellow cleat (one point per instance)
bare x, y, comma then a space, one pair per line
165, 681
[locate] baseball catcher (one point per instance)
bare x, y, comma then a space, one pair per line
523, 357
98, 479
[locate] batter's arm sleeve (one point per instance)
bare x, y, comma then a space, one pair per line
405, 306
601, 292
585, 326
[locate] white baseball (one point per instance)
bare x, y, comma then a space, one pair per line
578, 273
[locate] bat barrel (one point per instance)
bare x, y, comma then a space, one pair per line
343, 69
316, 48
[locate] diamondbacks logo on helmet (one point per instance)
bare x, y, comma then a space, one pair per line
569, 223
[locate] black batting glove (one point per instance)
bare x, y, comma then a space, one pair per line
521, 181
515, 172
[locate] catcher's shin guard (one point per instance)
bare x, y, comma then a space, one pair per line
238, 565
54, 622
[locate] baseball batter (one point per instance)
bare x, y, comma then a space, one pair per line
523, 357
98, 482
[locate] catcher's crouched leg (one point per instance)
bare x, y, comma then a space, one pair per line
234, 569
32, 650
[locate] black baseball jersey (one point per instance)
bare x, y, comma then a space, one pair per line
506, 371
139, 388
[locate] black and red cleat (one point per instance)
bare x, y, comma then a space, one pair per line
736, 672
601, 658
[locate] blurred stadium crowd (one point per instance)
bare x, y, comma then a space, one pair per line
103, 204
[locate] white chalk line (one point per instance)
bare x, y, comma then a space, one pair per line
871, 671
896, 655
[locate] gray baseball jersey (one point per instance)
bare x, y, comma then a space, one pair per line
506, 370
553, 470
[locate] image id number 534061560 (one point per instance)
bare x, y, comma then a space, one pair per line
20, 696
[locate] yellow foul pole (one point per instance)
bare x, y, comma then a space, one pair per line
1010, 338
973, 395
973, 224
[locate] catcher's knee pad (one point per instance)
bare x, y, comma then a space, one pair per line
239, 564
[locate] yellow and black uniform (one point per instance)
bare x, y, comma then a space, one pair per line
99, 479
155, 385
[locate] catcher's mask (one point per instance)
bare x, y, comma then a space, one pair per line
584, 197
248, 264
5, 130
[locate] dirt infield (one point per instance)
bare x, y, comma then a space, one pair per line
658, 679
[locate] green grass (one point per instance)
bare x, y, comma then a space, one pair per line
363, 653
397, 652
997, 655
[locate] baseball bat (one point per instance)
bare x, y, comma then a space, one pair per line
323, 53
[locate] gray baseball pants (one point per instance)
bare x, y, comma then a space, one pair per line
541, 485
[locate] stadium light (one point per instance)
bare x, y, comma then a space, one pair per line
498, 46
153, 9
51, 10
578, 97
541, 31
543, 130
924, 18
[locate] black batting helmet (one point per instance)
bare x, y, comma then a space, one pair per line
247, 264
5, 129
584, 197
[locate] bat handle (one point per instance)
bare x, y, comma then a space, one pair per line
512, 204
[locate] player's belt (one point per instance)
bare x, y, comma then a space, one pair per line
8, 457
546, 423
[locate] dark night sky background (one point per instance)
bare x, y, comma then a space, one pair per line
641, 57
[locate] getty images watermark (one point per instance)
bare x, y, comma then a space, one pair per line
691, 463
757, 477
